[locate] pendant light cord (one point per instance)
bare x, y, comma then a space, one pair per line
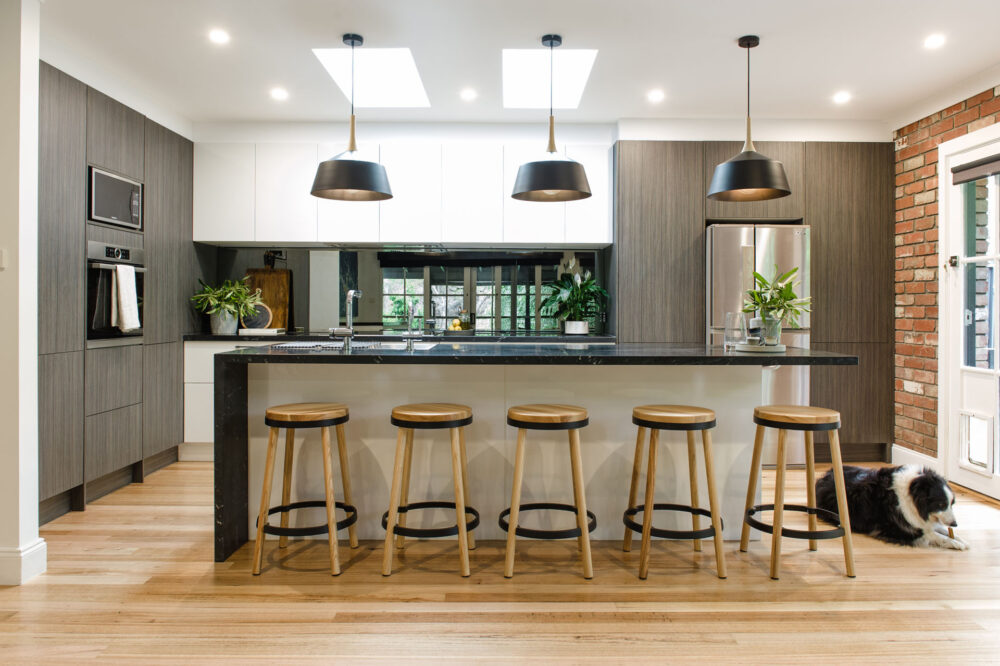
748, 82
352, 80
552, 51
352, 143
552, 122
748, 145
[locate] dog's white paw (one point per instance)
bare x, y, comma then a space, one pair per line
957, 544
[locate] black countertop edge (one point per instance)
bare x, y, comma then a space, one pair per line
541, 354
376, 337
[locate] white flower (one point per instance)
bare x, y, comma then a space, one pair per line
577, 279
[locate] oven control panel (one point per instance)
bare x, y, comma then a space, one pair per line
111, 252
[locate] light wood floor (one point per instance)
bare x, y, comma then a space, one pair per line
132, 579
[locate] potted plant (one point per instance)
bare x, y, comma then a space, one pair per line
776, 302
226, 304
574, 298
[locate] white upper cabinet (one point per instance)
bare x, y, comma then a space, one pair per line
285, 211
472, 194
223, 192
529, 222
589, 220
413, 215
349, 221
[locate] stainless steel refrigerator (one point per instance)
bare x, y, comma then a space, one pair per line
734, 251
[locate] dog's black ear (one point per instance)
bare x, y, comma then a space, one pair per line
924, 491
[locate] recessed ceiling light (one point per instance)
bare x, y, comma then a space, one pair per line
934, 41
841, 97
218, 36
655, 96
384, 78
526, 77
279, 94
468, 94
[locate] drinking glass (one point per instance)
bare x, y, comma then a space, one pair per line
736, 329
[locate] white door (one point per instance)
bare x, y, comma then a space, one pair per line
223, 192
970, 374
529, 223
588, 221
348, 221
285, 210
413, 214
472, 195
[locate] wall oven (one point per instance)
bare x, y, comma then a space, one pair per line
102, 262
115, 200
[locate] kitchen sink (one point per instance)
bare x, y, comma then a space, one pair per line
356, 345
417, 346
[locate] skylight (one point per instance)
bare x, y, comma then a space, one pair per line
383, 78
526, 77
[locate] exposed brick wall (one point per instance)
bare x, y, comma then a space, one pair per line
917, 263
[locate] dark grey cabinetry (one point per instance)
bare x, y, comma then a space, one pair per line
659, 261
60, 423
62, 163
113, 378
162, 398
163, 211
113, 441
792, 207
114, 136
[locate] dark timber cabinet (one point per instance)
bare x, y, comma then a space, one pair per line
162, 397
60, 422
114, 136
163, 211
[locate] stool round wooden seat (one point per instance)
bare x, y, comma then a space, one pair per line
678, 418
292, 417
809, 420
429, 416
548, 417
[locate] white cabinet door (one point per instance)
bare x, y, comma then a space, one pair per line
223, 192
589, 220
472, 194
413, 215
285, 211
349, 221
529, 222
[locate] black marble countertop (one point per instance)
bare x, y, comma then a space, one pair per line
390, 335
454, 353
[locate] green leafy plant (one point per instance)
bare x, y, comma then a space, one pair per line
574, 297
232, 296
776, 298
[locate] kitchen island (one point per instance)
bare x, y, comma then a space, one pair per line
606, 379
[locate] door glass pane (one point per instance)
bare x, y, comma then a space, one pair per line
401, 288
978, 439
978, 314
981, 211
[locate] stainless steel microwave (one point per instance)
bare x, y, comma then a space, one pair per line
115, 200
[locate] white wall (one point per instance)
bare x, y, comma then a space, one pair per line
22, 552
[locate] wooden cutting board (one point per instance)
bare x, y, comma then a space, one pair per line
275, 286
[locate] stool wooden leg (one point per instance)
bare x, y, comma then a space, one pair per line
581, 502
845, 517
397, 479
265, 501
456, 473
465, 479
779, 507
634, 487
404, 495
331, 506
515, 505
693, 480
811, 484
758, 447
286, 481
647, 510
713, 503
345, 479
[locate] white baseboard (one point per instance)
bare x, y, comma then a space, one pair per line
196, 451
904, 456
19, 565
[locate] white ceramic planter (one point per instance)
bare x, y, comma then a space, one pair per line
576, 327
223, 323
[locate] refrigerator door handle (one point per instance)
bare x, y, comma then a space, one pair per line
747, 256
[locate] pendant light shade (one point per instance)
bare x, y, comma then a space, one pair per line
555, 177
345, 177
749, 176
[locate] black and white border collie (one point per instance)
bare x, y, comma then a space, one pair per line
908, 505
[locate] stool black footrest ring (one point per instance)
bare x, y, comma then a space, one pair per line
828, 516
547, 534
629, 519
431, 532
350, 510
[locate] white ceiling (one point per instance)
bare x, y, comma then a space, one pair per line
159, 50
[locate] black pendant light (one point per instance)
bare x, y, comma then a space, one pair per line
556, 177
346, 177
749, 176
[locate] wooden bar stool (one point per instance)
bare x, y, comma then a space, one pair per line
809, 420
292, 417
549, 417
687, 419
429, 416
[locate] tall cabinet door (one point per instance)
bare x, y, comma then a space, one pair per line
588, 221
285, 211
60, 423
223, 192
115, 136
529, 222
472, 195
163, 397
660, 242
62, 167
348, 221
413, 215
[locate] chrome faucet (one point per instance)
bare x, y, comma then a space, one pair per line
348, 333
412, 312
